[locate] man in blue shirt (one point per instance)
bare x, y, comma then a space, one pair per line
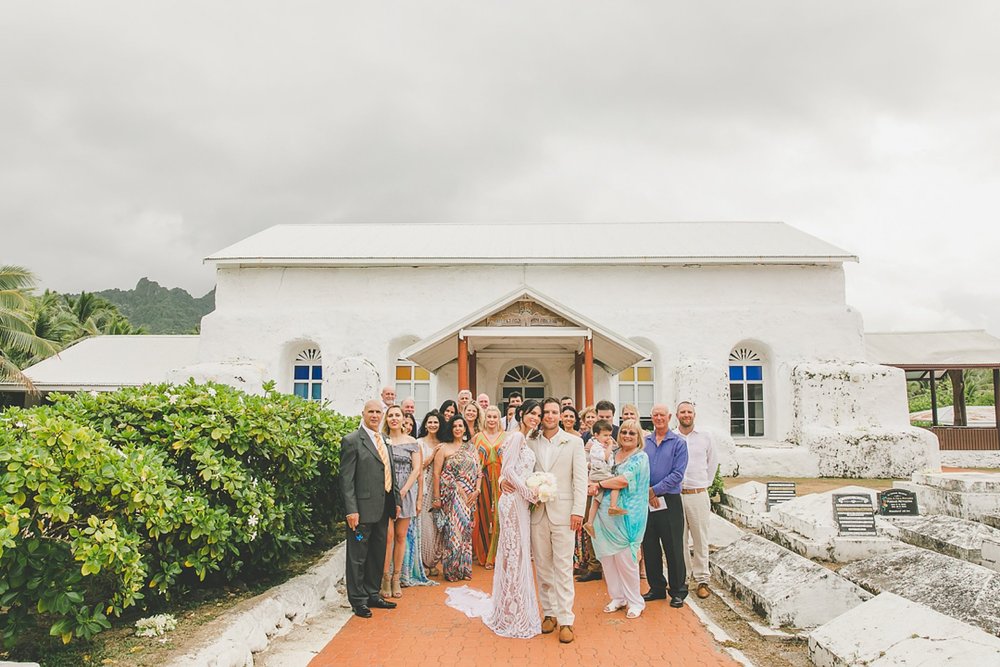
668, 458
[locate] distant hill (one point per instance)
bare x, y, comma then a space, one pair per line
161, 310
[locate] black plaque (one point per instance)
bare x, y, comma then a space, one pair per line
779, 492
854, 513
897, 502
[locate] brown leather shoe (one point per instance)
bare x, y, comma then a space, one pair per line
703, 591
548, 624
565, 634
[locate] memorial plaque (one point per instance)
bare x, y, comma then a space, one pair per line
897, 502
854, 513
779, 492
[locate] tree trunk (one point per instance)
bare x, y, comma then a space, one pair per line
958, 397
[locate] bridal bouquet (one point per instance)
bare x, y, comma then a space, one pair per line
543, 485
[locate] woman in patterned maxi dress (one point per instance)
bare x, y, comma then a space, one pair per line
488, 443
458, 487
512, 609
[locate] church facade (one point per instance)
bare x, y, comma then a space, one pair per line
747, 320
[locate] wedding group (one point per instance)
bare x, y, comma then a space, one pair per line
538, 493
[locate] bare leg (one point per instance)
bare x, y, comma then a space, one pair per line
400, 527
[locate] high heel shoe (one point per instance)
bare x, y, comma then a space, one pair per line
397, 591
386, 590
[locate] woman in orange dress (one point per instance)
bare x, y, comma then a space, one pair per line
487, 443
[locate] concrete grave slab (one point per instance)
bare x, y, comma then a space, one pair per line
722, 533
806, 525
891, 630
786, 589
956, 588
745, 504
949, 535
967, 495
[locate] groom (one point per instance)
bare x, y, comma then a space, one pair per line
554, 524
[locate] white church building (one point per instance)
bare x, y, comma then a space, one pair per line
747, 320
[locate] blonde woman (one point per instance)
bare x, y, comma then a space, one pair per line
473, 417
487, 443
631, 412
406, 460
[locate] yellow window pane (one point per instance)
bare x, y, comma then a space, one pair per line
403, 372
644, 373
421, 374
627, 375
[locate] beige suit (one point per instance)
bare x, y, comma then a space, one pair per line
552, 539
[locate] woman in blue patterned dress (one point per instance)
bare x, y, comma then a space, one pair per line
617, 538
421, 538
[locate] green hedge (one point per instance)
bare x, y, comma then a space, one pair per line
123, 499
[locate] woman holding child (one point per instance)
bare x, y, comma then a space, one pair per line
617, 538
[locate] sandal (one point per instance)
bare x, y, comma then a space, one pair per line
633, 613
397, 591
614, 606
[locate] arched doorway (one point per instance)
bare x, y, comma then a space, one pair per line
525, 379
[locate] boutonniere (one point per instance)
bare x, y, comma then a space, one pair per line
563, 440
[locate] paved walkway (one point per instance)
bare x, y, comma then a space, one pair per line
424, 631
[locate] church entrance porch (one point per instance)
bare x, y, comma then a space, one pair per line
526, 342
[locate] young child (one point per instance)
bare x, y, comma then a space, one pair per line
601, 458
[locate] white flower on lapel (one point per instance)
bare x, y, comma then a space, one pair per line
564, 440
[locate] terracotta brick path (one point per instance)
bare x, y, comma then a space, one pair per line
424, 631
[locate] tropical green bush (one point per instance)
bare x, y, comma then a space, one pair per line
125, 499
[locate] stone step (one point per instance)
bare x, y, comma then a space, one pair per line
964, 591
891, 630
786, 589
991, 520
949, 535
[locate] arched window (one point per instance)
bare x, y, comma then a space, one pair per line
412, 380
746, 393
635, 385
524, 379
307, 375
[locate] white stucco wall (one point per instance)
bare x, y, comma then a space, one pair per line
690, 318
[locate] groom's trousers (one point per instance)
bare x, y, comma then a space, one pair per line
552, 546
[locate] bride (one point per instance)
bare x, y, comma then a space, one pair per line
512, 610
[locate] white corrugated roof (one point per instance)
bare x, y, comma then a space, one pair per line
108, 362
934, 349
533, 243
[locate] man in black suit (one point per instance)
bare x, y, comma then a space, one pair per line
370, 498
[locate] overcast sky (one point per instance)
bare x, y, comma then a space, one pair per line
138, 137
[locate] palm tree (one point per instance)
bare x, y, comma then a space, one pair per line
17, 337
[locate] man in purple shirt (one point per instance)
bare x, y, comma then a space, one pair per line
668, 458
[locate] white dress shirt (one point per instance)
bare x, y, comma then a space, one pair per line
702, 460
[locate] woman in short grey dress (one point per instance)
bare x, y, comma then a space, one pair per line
406, 457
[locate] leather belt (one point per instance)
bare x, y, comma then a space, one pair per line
689, 491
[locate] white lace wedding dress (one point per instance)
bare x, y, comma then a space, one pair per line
512, 610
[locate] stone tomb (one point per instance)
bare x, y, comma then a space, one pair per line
807, 526
967, 495
890, 630
745, 504
956, 588
786, 589
948, 535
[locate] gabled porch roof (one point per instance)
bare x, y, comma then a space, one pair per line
560, 330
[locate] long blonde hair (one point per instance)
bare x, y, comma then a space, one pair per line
477, 425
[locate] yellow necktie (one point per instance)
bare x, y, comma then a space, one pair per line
384, 455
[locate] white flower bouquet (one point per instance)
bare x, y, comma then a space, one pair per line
543, 485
